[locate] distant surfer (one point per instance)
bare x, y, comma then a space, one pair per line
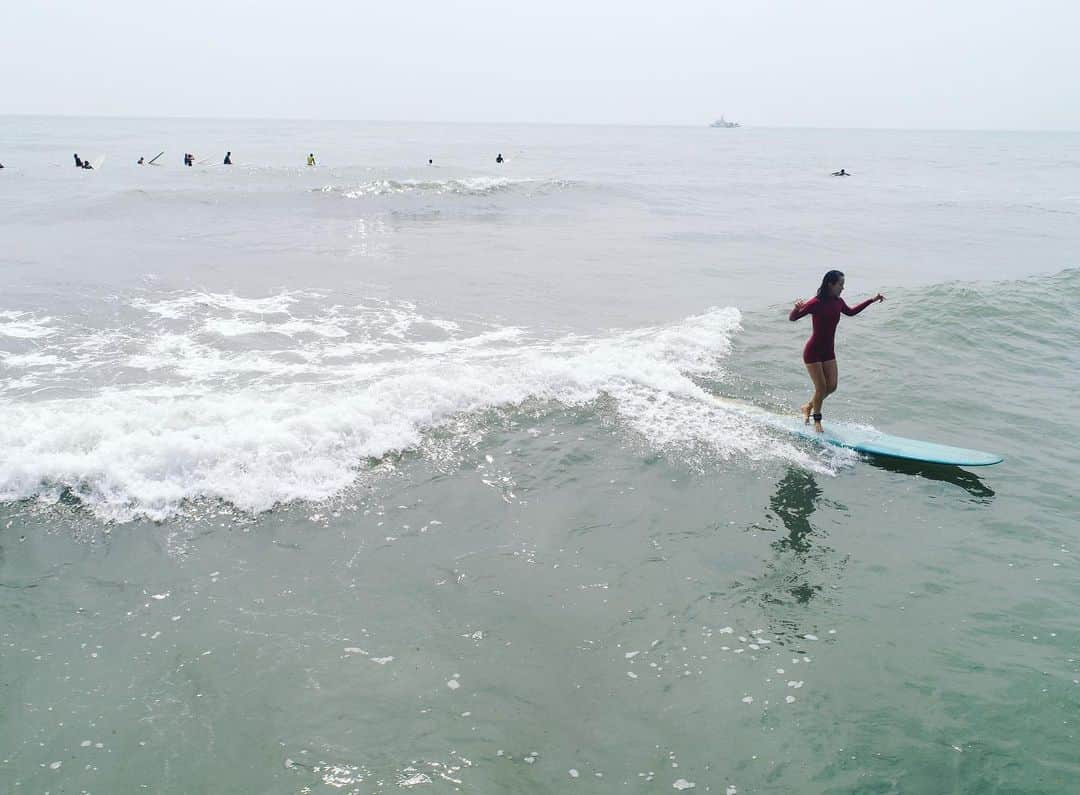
86, 164
142, 161
228, 159
78, 161
818, 354
188, 158
499, 159
430, 162
841, 173
311, 159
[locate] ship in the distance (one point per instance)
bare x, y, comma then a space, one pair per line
727, 125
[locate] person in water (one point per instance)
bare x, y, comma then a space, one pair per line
818, 354
311, 159
841, 173
141, 161
78, 161
188, 158
86, 164
499, 159
228, 159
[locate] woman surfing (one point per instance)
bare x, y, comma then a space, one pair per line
818, 353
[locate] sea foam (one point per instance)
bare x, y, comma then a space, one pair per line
321, 390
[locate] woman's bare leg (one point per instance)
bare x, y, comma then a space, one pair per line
832, 376
817, 375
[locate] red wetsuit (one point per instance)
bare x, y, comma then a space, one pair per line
819, 348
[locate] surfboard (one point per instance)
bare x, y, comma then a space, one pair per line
155, 157
868, 440
97, 162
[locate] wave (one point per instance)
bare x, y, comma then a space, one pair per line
23, 325
316, 391
464, 186
180, 306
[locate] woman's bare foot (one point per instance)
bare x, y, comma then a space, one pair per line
805, 409
817, 426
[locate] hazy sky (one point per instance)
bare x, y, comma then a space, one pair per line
843, 63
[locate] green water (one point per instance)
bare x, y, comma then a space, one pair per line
646, 616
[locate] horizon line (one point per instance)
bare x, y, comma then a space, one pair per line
686, 125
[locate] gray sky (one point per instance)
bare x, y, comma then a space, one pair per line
843, 63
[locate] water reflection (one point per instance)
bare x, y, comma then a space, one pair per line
793, 502
801, 564
968, 481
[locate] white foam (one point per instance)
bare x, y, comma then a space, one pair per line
181, 305
461, 186
31, 360
24, 326
259, 428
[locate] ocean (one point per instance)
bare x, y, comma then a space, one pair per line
387, 475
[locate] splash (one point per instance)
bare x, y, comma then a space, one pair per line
316, 390
463, 186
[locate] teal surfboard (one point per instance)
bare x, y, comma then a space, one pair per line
868, 440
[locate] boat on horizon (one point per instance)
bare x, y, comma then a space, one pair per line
724, 123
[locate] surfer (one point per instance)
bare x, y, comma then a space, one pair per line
311, 159
818, 354
228, 159
499, 159
188, 158
78, 161
86, 164
841, 173
142, 161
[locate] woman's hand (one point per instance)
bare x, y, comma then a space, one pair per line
878, 297
799, 304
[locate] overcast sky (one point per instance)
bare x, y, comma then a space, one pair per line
981, 64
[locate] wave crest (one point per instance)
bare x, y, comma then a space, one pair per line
294, 412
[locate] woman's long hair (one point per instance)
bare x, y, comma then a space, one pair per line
831, 278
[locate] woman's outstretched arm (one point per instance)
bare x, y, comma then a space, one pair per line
854, 310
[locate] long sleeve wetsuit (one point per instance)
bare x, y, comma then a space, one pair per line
826, 316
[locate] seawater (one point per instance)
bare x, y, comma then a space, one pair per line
384, 475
